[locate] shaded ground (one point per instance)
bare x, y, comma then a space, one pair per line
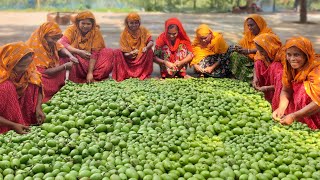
17, 26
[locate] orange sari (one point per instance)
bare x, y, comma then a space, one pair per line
140, 66
46, 57
92, 42
305, 82
247, 40
217, 45
18, 96
269, 73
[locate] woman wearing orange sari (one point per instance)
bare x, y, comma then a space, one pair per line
84, 40
300, 95
173, 51
134, 59
268, 68
46, 57
20, 89
211, 55
242, 63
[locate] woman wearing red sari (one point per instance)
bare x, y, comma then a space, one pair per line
134, 59
46, 57
173, 51
300, 95
268, 69
84, 40
20, 89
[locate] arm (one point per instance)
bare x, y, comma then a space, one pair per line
149, 45
39, 113
209, 69
92, 63
184, 61
163, 62
308, 110
18, 128
65, 52
285, 96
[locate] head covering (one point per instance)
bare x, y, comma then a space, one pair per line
92, 41
247, 40
130, 40
271, 44
10, 55
309, 73
182, 37
45, 56
217, 45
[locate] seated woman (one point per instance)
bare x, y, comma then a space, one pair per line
211, 55
268, 69
300, 95
242, 64
134, 59
46, 57
84, 40
20, 89
173, 51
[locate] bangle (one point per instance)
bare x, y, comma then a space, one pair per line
65, 67
248, 51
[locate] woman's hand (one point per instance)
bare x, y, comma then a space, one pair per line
278, 114
68, 65
288, 119
144, 49
169, 65
84, 54
40, 115
20, 129
90, 78
74, 59
178, 64
255, 83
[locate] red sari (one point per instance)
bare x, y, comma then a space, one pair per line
176, 52
92, 42
137, 67
18, 97
269, 73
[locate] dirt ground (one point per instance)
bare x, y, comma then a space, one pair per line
17, 26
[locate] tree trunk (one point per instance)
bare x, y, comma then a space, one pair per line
211, 4
274, 6
194, 4
238, 3
303, 11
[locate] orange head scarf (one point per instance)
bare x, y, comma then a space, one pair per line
130, 40
271, 44
309, 74
92, 41
182, 38
10, 55
45, 56
217, 45
247, 40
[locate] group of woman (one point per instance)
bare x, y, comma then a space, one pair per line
32, 72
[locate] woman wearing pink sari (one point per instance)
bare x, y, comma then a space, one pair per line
300, 95
268, 69
84, 40
134, 59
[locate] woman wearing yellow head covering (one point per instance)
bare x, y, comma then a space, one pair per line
268, 70
242, 63
46, 57
211, 55
85, 41
300, 95
134, 59
20, 89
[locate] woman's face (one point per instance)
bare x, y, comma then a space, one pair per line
23, 64
262, 52
53, 39
296, 58
133, 25
253, 27
173, 33
205, 40
85, 25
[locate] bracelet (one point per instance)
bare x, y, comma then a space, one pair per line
65, 67
248, 51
